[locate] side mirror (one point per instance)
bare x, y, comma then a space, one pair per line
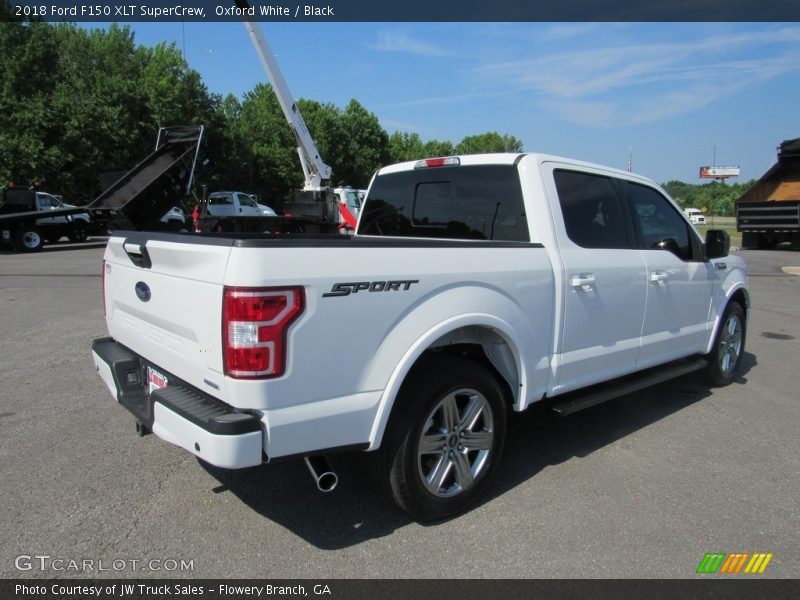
718, 243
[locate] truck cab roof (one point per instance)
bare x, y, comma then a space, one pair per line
502, 158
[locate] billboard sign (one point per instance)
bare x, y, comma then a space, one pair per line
718, 172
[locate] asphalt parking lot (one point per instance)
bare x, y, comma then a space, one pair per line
642, 486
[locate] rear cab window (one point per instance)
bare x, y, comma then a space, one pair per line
467, 202
220, 199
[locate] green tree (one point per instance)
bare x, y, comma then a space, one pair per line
272, 167
488, 142
404, 146
225, 152
75, 103
102, 117
365, 146
174, 93
408, 146
717, 198
324, 122
27, 117
435, 148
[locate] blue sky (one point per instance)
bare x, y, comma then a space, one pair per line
671, 92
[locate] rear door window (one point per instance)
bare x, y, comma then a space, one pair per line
481, 202
592, 214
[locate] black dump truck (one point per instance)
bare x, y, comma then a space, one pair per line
768, 213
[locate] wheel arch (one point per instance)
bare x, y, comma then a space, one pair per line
738, 293
482, 338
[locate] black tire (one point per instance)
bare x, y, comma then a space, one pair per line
455, 403
78, 234
176, 225
29, 239
725, 360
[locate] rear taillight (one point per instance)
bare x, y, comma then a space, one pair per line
255, 322
103, 287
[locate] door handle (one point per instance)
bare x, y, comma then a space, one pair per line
659, 277
138, 254
584, 281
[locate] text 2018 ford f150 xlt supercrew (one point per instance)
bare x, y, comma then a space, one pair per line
475, 286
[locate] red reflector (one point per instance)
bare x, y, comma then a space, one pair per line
255, 322
103, 279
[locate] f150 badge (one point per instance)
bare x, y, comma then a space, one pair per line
345, 289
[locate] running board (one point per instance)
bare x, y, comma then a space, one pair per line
632, 383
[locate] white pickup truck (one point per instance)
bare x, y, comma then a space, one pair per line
475, 286
236, 204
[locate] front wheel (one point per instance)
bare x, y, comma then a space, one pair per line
725, 359
445, 438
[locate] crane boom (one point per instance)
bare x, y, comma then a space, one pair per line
314, 168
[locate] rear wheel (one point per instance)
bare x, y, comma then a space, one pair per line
29, 239
78, 233
725, 360
441, 450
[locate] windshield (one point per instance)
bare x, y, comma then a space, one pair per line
48, 200
353, 199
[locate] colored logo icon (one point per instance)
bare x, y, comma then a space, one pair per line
734, 563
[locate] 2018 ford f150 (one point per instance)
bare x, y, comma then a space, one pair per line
474, 286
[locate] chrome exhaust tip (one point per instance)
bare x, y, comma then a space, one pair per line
322, 473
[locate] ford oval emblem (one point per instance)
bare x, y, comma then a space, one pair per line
143, 291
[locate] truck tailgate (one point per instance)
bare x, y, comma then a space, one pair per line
164, 300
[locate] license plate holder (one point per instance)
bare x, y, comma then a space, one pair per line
156, 380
